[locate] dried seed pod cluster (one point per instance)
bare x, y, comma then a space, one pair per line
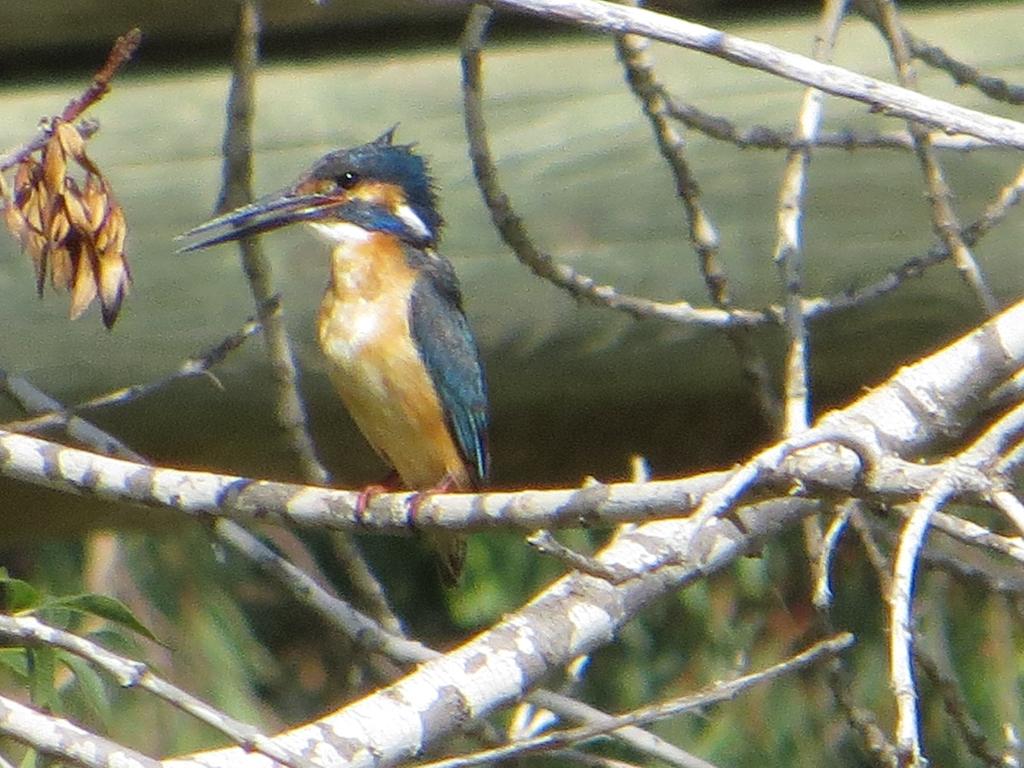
73, 231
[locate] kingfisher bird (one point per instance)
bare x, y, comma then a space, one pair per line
391, 324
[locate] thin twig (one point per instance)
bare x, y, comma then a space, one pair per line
236, 191
122, 51
878, 560
944, 219
634, 53
639, 739
957, 708
861, 720
961, 72
528, 719
53, 415
514, 233
994, 213
547, 544
366, 632
901, 629
715, 694
365, 583
990, 576
788, 251
765, 137
822, 595
577, 757
87, 128
35, 400
949, 689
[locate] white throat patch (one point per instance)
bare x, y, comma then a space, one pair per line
340, 232
343, 232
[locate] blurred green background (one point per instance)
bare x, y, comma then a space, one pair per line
576, 391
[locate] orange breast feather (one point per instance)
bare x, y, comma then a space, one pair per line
364, 332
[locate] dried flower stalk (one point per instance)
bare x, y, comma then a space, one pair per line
73, 231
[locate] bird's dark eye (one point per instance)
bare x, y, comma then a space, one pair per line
348, 179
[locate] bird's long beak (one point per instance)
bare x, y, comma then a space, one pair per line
267, 213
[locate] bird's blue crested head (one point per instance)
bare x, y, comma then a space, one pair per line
377, 187
389, 185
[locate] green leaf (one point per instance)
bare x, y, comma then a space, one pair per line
30, 760
17, 595
105, 607
16, 660
115, 639
95, 694
42, 663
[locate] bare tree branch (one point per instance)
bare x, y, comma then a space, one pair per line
963, 469
962, 73
51, 413
883, 425
132, 674
713, 695
766, 137
634, 53
878, 95
60, 738
944, 218
237, 190
121, 52
514, 233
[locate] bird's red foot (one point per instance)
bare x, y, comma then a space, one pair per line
388, 484
365, 497
417, 500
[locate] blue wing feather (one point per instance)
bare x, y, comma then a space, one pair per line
446, 344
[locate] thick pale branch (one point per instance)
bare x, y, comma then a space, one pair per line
970, 467
920, 404
60, 738
574, 616
580, 612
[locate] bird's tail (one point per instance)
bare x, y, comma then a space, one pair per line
450, 554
